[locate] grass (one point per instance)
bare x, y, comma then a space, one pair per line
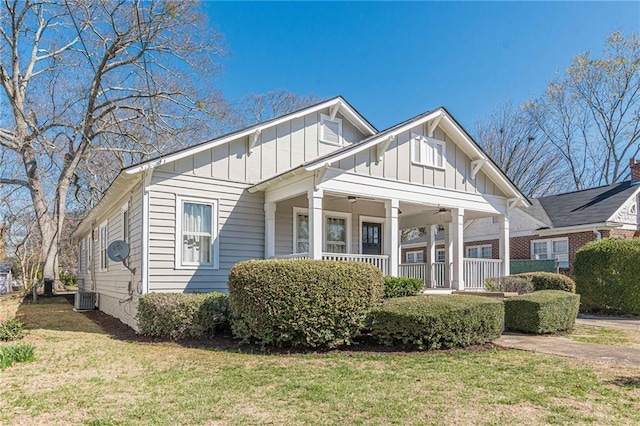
605, 336
83, 376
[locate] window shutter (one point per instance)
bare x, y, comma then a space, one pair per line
331, 131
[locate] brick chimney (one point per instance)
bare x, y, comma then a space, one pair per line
634, 165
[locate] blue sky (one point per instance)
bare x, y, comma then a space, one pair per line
393, 60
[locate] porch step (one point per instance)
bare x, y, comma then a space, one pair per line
438, 291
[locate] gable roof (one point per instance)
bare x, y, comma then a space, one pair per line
469, 145
594, 205
338, 101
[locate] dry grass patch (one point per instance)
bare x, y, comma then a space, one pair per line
605, 336
84, 376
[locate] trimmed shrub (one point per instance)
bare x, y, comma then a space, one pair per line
19, 352
178, 316
540, 312
402, 287
435, 322
307, 303
549, 281
607, 275
510, 284
11, 329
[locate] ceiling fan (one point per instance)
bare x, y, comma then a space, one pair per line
354, 198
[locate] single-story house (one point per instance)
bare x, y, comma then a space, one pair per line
318, 183
554, 226
5, 277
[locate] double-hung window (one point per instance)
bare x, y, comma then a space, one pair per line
90, 251
554, 248
336, 231
81, 256
427, 151
197, 226
479, 252
104, 244
440, 256
330, 130
416, 256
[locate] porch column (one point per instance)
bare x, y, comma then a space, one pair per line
269, 230
505, 255
430, 231
457, 228
391, 240
315, 224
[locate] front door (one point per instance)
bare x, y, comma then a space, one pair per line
371, 238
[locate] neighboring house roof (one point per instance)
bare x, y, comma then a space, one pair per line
5, 267
594, 205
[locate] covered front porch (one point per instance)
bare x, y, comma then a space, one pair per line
356, 226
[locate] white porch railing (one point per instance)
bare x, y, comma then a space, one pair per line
437, 275
381, 261
294, 256
477, 270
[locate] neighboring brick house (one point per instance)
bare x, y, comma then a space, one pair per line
555, 226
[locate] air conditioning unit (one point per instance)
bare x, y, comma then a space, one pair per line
85, 301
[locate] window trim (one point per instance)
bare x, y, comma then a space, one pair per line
325, 214
215, 223
104, 245
321, 127
371, 219
478, 247
126, 225
444, 252
426, 140
81, 249
413, 252
549, 242
89, 252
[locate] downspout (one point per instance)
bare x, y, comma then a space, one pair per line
598, 234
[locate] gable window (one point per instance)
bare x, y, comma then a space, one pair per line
416, 256
336, 231
479, 252
427, 151
197, 225
104, 243
553, 248
330, 130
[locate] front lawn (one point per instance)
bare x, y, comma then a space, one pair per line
82, 375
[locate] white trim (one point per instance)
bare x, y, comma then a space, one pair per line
575, 229
370, 219
325, 215
144, 244
619, 209
214, 203
344, 107
444, 255
104, 258
413, 252
89, 253
321, 130
123, 225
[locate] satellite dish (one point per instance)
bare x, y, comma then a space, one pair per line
118, 251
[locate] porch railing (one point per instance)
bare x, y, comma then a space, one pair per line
477, 270
436, 278
381, 261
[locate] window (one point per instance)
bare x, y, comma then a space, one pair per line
479, 252
414, 256
440, 256
104, 243
555, 248
89, 252
196, 244
125, 223
336, 231
330, 130
427, 151
81, 256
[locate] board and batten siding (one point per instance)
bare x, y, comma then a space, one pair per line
278, 149
397, 165
285, 218
117, 288
240, 230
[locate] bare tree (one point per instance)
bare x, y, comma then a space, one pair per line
591, 115
84, 78
512, 139
256, 108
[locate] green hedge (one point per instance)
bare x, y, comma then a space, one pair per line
511, 284
549, 281
402, 287
182, 315
434, 322
545, 311
607, 275
11, 329
308, 303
